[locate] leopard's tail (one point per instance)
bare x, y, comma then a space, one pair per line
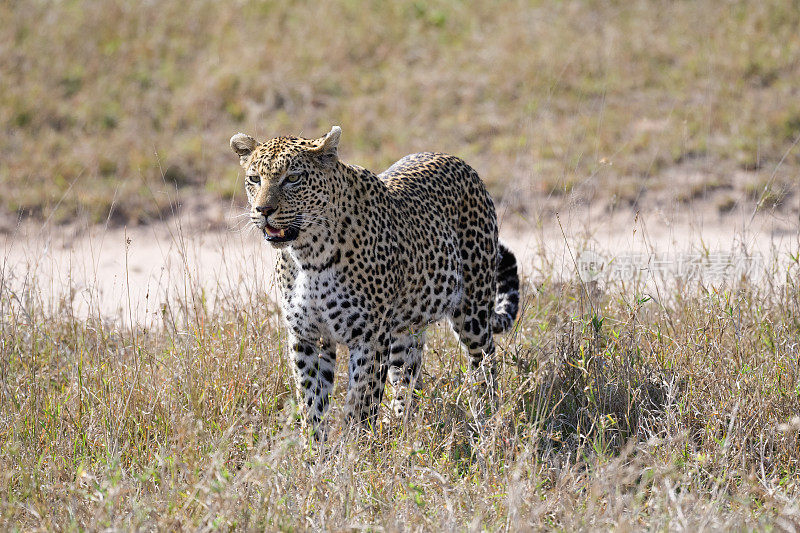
506, 304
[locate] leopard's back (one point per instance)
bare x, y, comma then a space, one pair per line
445, 226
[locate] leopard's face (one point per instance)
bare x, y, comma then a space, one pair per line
287, 184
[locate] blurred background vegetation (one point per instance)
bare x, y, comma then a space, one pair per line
111, 110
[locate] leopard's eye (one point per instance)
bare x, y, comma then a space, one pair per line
254, 180
297, 176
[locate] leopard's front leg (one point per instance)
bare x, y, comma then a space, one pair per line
369, 363
313, 364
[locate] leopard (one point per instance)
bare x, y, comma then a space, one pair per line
368, 261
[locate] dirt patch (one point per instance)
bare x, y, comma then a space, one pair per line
206, 251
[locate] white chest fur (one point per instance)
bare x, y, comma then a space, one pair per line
306, 304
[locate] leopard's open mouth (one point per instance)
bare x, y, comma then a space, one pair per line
279, 234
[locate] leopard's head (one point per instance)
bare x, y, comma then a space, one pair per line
287, 180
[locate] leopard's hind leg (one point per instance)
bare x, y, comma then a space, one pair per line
472, 319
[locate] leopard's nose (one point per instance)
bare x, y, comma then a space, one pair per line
266, 210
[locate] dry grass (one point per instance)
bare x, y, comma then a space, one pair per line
102, 99
619, 408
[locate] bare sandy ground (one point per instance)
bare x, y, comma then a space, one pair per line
129, 274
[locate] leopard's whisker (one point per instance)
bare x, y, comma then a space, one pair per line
240, 224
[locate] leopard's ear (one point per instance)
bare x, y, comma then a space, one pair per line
243, 145
327, 147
